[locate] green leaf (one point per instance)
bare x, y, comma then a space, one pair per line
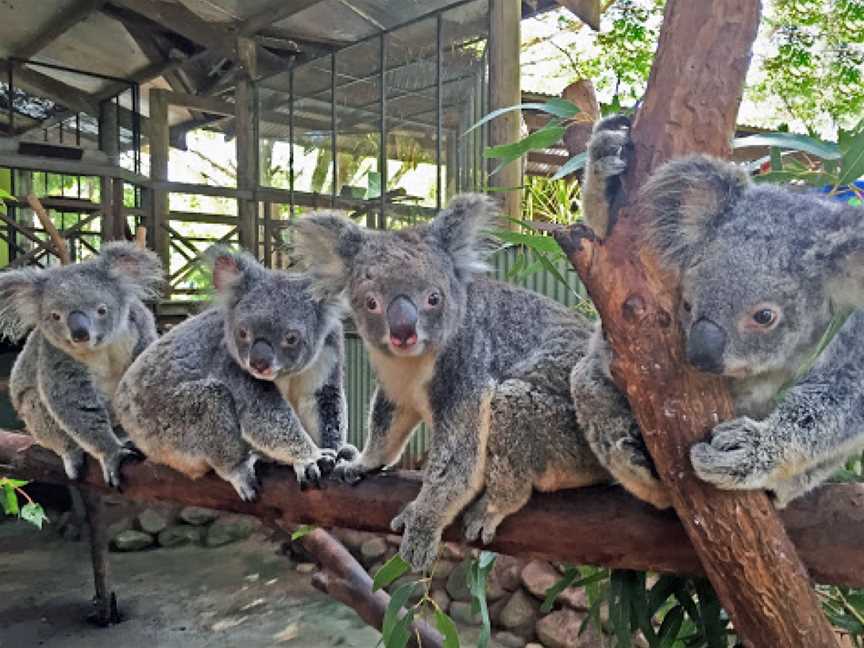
34, 514
477, 574
661, 591
820, 148
619, 608
401, 631
10, 500
550, 267
391, 615
301, 531
569, 577
447, 629
373, 185
15, 483
776, 159
557, 107
668, 632
389, 572
571, 166
713, 626
852, 166
856, 201
537, 242
550, 134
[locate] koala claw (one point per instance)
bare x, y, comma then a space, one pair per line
347, 453
419, 547
111, 465
308, 474
327, 461
481, 525
733, 458
350, 472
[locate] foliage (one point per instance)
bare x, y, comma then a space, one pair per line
10, 491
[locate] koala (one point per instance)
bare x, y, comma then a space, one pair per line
765, 271
88, 324
261, 371
485, 365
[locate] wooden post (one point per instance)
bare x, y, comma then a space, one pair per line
159, 148
110, 145
504, 90
60, 246
690, 105
247, 145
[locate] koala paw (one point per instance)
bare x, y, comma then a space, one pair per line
478, 522
310, 472
420, 542
351, 472
74, 464
111, 464
347, 453
244, 479
608, 148
735, 457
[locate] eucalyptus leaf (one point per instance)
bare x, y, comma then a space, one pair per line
556, 107
389, 572
34, 514
391, 616
571, 166
447, 629
805, 143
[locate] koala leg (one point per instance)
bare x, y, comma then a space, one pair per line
534, 442
389, 428
75, 403
607, 159
453, 477
786, 491
604, 416
49, 434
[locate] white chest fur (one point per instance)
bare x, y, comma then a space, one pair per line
299, 390
108, 363
405, 380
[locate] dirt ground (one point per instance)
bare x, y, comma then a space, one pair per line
244, 594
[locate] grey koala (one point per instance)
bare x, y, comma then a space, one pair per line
261, 370
485, 365
89, 323
764, 272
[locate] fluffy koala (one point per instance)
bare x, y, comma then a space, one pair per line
764, 272
261, 370
89, 323
485, 365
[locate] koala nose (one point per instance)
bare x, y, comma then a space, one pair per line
79, 326
402, 321
261, 356
705, 345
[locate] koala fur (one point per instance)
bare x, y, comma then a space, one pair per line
764, 270
261, 370
89, 323
485, 365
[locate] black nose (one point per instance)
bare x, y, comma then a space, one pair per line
705, 345
79, 326
402, 321
261, 356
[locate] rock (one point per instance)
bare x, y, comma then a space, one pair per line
352, 539
457, 582
509, 640
197, 516
131, 540
494, 591
373, 550
115, 528
561, 630
441, 598
519, 613
460, 612
180, 534
533, 644
538, 576
507, 572
306, 568
495, 611
452, 551
417, 592
230, 528
393, 539
374, 569
152, 521
442, 571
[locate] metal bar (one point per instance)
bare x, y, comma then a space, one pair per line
268, 242
291, 142
335, 155
382, 161
438, 109
11, 80
55, 66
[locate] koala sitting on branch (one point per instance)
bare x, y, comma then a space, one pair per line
766, 272
89, 323
485, 365
260, 371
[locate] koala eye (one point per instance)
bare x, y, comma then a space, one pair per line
372, 304
292, 339
102, 310
765, 317
434, 299
243, 333
55, 316
687, 306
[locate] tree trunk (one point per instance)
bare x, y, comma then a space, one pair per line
690, 106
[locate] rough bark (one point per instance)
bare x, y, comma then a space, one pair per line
344, 579
690, 106
598, 526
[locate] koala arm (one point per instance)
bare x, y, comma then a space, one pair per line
818, 423
390, 426
607, 159
331, 408
76, 404
453, 474
145, 324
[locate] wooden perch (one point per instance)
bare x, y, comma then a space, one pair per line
345, 580
60, 247
597, 526
690, 106
141, 237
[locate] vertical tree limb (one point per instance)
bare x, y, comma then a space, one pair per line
57, 239
690, 106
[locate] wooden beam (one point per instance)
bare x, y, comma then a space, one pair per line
503, 92
159, 151
246, 144
588, 11
274, 12
209, 105
41, 84
58, 25
586, 526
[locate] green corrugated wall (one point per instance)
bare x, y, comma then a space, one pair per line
360, 379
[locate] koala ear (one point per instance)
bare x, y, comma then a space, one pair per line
139, 269
232, 270
20, 294
839, 250
459, 230
326, 245
685, 198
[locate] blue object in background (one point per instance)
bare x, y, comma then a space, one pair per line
844, 196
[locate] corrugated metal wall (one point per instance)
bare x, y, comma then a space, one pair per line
360, 379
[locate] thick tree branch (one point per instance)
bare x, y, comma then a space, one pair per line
597, 526
690, 106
